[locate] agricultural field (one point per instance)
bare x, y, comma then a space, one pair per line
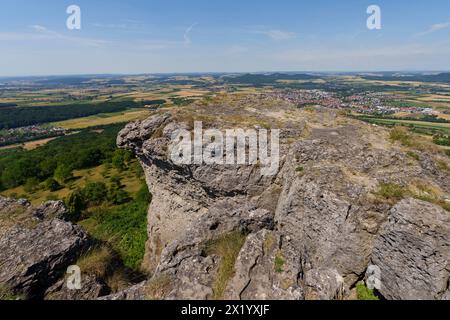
443, 127
29, 145
103, 119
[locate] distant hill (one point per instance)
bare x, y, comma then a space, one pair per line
259, 79
440, 77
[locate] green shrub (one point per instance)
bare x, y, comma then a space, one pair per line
143, 195
63, 173
413, 155
31, 185
391, 191
75, 203
279, 263
364, 293
52, 185
124, 227
95, 193
441, 140
299, 169
116, 181
117, 196
121, 158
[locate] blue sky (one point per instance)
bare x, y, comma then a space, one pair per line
154, 36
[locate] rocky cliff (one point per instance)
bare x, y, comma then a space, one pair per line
37, 244
309, 232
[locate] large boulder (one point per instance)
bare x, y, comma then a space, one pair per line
36, 245
413, 252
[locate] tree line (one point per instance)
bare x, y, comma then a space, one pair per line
14, 117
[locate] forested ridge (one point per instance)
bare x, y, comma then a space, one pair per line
14, 117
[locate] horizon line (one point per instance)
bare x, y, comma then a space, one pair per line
218, 72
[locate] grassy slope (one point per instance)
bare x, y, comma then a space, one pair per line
81, 177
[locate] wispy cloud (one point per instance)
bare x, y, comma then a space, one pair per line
434, 28
273, 34
39, 32
39, 28
186, 36
279, 35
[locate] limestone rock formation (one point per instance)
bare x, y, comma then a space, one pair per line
36, 245
311, 230
91, 289
413, 252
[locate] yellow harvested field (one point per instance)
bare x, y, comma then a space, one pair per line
38, 143
154, 95
99, 120
30, 145
407, 114
190, 93
433, 97
402, 114
166, 93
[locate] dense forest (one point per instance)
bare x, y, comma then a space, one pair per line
13, 117
60, 157
7, 105
153, 102
108, 212
258, 79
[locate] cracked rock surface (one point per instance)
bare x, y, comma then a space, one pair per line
37, 244
311, 231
